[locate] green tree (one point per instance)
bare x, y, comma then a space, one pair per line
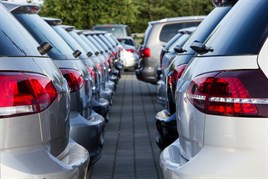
136, 13
85, 13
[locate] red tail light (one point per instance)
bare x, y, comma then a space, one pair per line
236, 93
130, 50
74, 78
176, 75
92, 73
145, 52
99, 68
24, 93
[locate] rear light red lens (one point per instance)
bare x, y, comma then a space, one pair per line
24, 93
99, 68
74, 78
92, 73
235, 93
145, 52
130, 50
173, 79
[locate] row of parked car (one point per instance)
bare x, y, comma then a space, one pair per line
58, 86
213, 83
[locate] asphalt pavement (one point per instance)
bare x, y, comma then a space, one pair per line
130, 151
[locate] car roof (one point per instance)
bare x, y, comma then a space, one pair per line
52, 21
174, 19
114, 25
68, 28
23, 7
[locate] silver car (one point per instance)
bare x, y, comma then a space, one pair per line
87, 133
35, 108
222, 101
156, 35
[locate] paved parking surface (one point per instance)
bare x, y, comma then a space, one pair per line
130, 150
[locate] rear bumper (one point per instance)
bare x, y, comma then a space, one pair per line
213, 162
101, 106
161, 92
88, 133
37, 162
146, 74
166, 128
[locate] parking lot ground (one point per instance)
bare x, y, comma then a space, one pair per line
130, 150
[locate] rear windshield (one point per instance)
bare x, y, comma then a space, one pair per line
42, 32
116, 31
169, 30
14, 39
180, 41
206, 27
242, 31
70, 41
126, 41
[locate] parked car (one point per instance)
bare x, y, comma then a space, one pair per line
118, 30
35, 107
86, 133
169, 54
165, 119
128, 53
223, 102
157, 34
110, 80
82, 129
100, 105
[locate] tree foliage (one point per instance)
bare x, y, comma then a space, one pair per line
136, 13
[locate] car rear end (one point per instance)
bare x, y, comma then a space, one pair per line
156, 35
35, 106
222, 116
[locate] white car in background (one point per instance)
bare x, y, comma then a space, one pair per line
129, 56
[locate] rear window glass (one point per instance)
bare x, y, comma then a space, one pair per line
70, 41
242, 31
169, 30
42, 32
180, 41
206, 27
116, 31
14, 39
126, 41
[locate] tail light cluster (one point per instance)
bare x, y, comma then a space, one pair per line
74, 78
24, 93
173, 79
145, 52
92, 73
99, 68
130, 50
234, 93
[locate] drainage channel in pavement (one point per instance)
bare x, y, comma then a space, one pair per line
129, 149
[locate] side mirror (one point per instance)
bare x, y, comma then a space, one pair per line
179, 49
44, 48
76, 53
200, 48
